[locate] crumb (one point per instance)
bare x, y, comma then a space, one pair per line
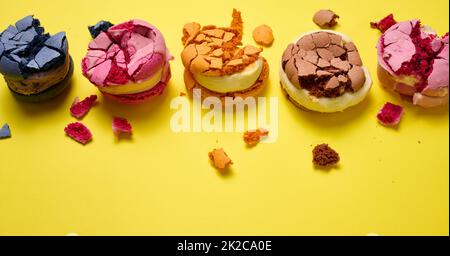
253, 137
182, 94
263, 35
5, 132
390, 114
79, 132
121, 125
325, 156
384, 24
219, 158
325, 18
81, 108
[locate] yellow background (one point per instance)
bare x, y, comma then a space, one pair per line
161, 183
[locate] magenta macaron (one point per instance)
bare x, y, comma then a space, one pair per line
413, 61
127, 62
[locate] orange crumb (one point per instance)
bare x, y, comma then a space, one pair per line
219, 158
263, 35
252, 137
182, 94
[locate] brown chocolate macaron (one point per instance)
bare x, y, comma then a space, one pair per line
323, 71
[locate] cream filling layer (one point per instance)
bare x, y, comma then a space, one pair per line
132, 88
234, 82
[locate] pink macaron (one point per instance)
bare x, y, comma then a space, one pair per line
128, 62
414, 62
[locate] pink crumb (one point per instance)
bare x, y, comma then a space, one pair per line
78, 132
121, 125
81, 108
384, 24
390, 114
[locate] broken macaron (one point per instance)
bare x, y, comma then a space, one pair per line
216, 64
128, 62
36, 65
413, 61
323, 71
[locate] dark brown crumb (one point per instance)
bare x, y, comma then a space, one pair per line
325, 156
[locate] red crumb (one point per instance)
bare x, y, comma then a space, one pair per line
78, 132
121, 125
390, 114
81, 108
325, 156
384, 24
253, 137
219, 158
182, 94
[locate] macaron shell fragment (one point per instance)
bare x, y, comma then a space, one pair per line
390, 114
5, 131
81, 108
121, 125
263, 35
219, 158
325, 18
79, 132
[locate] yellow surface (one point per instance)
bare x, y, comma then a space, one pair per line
161, 183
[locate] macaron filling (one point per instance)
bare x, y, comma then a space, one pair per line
239, 81
132, 88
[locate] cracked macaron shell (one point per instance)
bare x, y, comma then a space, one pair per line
324, 63
302, 97
26, 50
216, 52
30, 59
129, 52
401, 50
